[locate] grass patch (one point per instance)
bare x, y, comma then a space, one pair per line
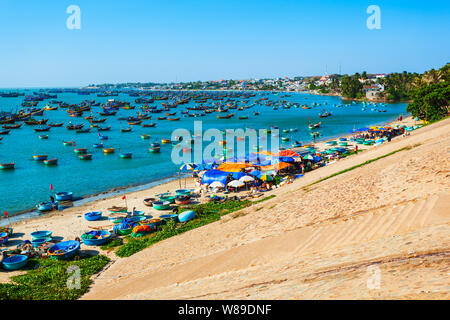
305, 188
264, 199
47, 279
116, 242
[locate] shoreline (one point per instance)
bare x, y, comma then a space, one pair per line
31, 213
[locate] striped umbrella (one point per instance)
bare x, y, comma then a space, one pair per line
188, 166
266, 177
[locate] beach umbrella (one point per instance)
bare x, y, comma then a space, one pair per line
236, 184
188, 166
308, 157
255, 173
266, 177
247, 179
217, 184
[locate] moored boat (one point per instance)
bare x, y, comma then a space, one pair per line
51, 162
64, 250
85, 157
7, 166
108, 150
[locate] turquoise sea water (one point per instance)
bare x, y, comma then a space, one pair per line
28, 184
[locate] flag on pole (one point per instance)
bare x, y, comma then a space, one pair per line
5, 213
124, 197
51, 186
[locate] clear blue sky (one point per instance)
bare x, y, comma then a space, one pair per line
187, 40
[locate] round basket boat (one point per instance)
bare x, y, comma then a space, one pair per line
63, 196
182, 192
38, 242
149, 202
96, 238
64, 250
138, 218
170, 199
183, 200
93, 216
161, 205
41, 235
4, 238
15, 262
186, 216
137, 213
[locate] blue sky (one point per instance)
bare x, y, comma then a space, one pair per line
188, 40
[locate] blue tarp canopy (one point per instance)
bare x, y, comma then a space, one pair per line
216, 175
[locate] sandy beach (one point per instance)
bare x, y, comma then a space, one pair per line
317, 240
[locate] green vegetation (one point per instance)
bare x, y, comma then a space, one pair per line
47, 279
351, 86
206, 214
112, 244
431, 99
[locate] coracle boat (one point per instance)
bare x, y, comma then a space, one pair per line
161, 205
186, 216
4, 237
85, 157
45, 206
115, 209
64, 250
93, 216
7, 166
149, 202
183, 200
46, 235
51, 162
95, 238
15, 262
64, 196
170, 199
108, 150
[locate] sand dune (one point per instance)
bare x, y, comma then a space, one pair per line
379, 231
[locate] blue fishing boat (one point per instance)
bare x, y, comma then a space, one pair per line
126, 155
45, 206
93, 216
38, 242
98, 145
41, 235
63, 196
186, 216
96, 238
4, 238
64, 250
15, 262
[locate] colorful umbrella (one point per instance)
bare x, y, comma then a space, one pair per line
266, 177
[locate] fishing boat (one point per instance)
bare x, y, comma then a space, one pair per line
64, 250
134, 123
173, 119
80, 150
151, 125
12, 126
165, 141
228, 116
4, 132
7, 166
161, 205
98, 145
85, 157
154, 149
42, 129
103, 129
49, 108
108, 150
64, 196
43, 137
45, 206
324, 115
97, 120
145, 136
68, 143
54, 125
243, 118
126, 155
40, 157
125, 129
149, 202
93, 216
51, 162
314, 126
74, 126
15, 262
96, 237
